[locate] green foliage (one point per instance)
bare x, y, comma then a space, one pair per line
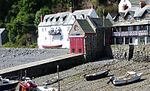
43, 11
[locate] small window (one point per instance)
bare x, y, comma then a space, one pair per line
80, 50
73, 50
64, 18
57, 18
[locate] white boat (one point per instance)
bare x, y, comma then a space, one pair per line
7, 84
45, 88
129, 77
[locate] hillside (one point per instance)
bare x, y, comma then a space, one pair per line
21, 17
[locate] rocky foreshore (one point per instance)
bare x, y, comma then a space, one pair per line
15, 56
73, 79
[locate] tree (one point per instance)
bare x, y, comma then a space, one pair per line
43, 11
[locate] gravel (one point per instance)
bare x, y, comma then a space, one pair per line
15, 56
73, 79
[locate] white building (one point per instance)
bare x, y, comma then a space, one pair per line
132, 26
2, 36
54, 28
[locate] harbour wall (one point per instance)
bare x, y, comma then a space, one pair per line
129, 52
44, 67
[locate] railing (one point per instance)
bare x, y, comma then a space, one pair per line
131, 33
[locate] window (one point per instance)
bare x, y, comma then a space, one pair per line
80, 51
73, 50
143, 27
42, 29
142, 40
57, 18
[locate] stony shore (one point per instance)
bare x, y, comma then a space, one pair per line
73, 79
15, 56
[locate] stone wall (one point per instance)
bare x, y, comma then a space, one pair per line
141, 53
131, 52
120, 52
46, 68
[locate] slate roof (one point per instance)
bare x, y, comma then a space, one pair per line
134, 2
64, 18
141, 11
98, 22
85, 26
83, 13
55, 19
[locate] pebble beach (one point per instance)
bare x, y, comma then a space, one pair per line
73, 78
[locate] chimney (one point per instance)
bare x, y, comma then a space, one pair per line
42, 17
71, 9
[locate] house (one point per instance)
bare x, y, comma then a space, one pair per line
133, 25
83, 39
54, 28
2, 36
87, 37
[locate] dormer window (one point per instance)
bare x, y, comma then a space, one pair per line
74, 16
82, 16
57, 18
51, 18
46, 19
64, 18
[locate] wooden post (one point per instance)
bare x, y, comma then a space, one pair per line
58, 77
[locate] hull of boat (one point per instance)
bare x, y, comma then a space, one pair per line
96, 75
9, 86
52, 46
124, 82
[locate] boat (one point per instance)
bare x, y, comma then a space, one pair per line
51, 46
7, 84
46, 88
26, 84
129, 77
97, 75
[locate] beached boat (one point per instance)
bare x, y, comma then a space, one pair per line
7, 84
46, 88
26, 84
51, 46
97, 75
129, 77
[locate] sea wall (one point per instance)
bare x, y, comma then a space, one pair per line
44, 67
131, 52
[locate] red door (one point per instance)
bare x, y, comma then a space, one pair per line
77, 45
